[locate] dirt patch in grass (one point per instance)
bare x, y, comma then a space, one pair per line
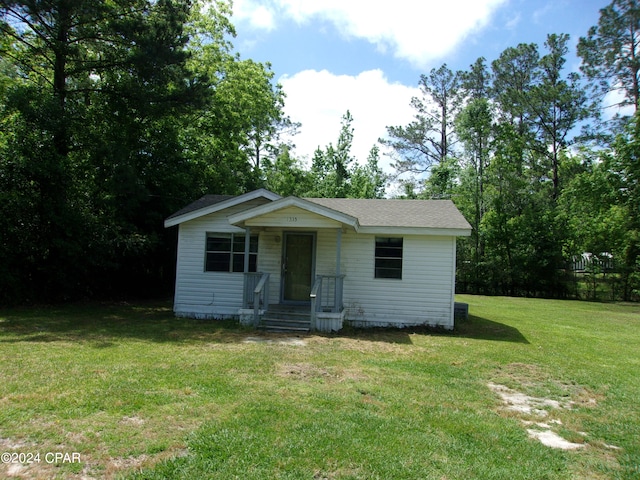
552, 439
118, 465
293, 341
23, 459
309, 371
90, 466
108, 445
398, 343
305, 371
133, 420
553, 396
519, 402
526, 405
536, 381
34, 471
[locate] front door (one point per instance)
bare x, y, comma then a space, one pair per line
297, 266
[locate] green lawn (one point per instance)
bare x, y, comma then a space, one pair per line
137, 393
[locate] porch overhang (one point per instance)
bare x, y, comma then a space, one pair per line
293, 212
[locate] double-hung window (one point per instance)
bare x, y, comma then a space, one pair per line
225, 252
388, 257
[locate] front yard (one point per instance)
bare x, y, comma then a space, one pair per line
111, 391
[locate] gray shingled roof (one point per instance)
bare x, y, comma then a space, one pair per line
372, 213
203, 202
398, 213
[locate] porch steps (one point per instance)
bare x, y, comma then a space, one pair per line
285, 318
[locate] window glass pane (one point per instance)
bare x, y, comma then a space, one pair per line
389, 263
238, 243
238, 262
395, 242
218, 243
218, 262
225, 253
388, 257
389, 242
391, 252
388, 273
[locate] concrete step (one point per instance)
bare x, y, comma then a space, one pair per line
285, 325
283, 329
286, 320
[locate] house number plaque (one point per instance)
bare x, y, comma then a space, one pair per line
292, 219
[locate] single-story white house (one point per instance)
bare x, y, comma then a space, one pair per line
316, 263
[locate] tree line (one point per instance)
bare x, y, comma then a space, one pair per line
113, 115
530, 155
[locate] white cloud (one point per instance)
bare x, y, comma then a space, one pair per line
259, 16
513, 22
262, 17
415, 31
318, 99
540, 13
612, 103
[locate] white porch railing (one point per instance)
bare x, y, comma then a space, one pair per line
256, 293
250, 282
326, 295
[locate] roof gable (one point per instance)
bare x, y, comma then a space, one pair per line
295, 203
214, 203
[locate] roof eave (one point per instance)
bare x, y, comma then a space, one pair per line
434, 232
260, 193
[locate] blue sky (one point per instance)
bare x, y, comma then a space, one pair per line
367, 55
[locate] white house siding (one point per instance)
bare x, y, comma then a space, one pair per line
326, 252
269, 260
424, 295
201, 294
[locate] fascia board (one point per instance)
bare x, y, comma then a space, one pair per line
241, 217
439, 232
221, 206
